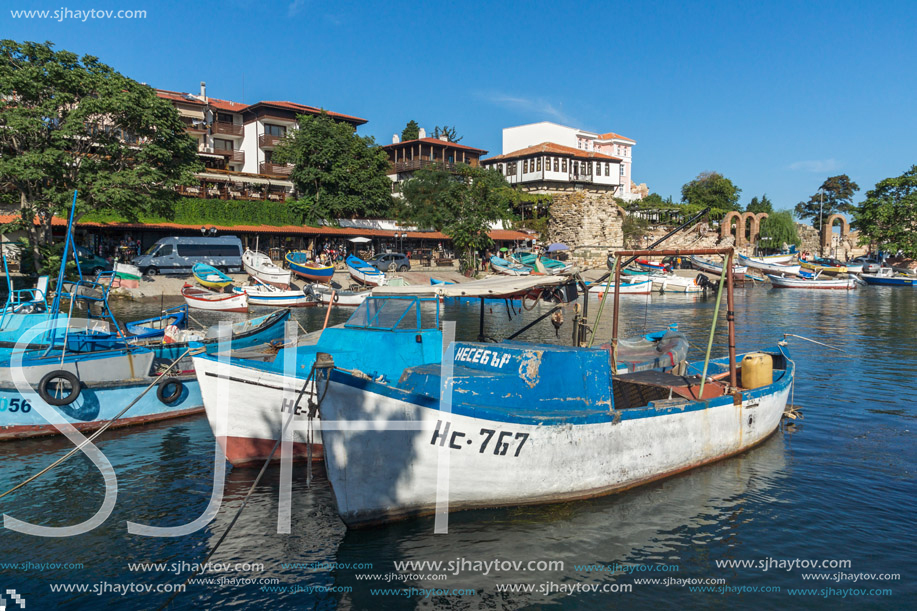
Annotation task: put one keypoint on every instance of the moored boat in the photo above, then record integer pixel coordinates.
(783, 282)
(715, 268)
(259, 266)
(363, 272)
(202, 299)
(326, 295)
(551, 266)
(641, 286)
(829, 267)
(887, 276)
(769, 266)
(269, 295)
(209, 276)
(508, 268)
(310, 270)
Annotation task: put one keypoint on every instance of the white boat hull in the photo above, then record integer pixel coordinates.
(380, 473)
(715, 268)
(627, 288)
(276, 297)
(770, 267)
(259, 266)
(341, 298)
(675, 284)
(780, 282)
(216, 302)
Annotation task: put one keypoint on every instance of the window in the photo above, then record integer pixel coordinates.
(511, 169)
(525, 166)
(222, 145)
(208, 250)
(621, 165)
(165, 251)
(275, 130)
(556, 164)
(223, 117)
(268, 156)
(539, 164)
(564, 165)
(607, 169)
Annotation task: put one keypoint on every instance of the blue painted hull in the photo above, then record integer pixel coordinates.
(96, 405)
(316, 274)
(879, 281)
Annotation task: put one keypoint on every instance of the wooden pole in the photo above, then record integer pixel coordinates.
(730, 322)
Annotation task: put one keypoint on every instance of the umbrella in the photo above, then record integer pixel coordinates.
(557, 246)
(360, 240)
(504, 249)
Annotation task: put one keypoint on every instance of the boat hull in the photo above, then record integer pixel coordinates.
(278, 298)
(301, 266)
(644, 287)
(364, 273)
(215, 302)
(886, 281)
(384, 448)
(780, 282)
(326, 296)
(96, 404)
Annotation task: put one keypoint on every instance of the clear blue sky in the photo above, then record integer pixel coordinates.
(775, 95)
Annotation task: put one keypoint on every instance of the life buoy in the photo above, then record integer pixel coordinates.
(59, 374)
(164, 384)
(337, 297)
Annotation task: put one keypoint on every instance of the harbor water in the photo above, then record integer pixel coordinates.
(836, 488)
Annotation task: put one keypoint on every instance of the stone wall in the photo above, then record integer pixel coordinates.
(586, 219)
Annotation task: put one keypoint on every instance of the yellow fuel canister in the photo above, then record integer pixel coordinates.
(757, 370)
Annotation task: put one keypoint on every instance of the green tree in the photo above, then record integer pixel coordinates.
(760, 205)
(778, 229)
(337, 173)
(69, 122)
(888, 217)
(711, 189)
(461, 205)
(837, 198)
(448, 133)
(411, 131)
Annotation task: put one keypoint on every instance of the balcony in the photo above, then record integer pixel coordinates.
(231, 155)
(276, 169)
(222, 128)
(269, 140)
(409, 165)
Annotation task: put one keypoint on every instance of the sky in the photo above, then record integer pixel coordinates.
(776, 96)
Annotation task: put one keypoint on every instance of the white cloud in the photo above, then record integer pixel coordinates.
(533, 106)
(295, 7)
(816, 165)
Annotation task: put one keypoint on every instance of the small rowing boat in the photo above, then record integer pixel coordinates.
(769, 266)
(364, 273)
(209, 276)
(715, 268)
(325, 294)
(310, 270)
(259, 266)
(508, 268)
(202, 299)
(887, 276)
(263, 294)
(783, 282)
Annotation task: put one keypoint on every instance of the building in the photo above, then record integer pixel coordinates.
(588, 155)
(236, 143)
(410, 155)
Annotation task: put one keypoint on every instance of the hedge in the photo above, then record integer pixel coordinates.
(193, 211)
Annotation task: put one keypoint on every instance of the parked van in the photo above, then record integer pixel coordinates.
(176, 255)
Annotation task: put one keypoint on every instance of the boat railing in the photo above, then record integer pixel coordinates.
(391, 313)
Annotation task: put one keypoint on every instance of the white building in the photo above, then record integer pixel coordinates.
(520, 138)
(552, 168)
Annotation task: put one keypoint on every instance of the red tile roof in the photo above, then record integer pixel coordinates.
(227, 105)
(302, 108)
(614, 136)
(553, 149)
(497, 234)
(434, 141)
(175, 96)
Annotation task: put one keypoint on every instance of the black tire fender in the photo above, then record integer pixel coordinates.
(163, 387)
(59, 374)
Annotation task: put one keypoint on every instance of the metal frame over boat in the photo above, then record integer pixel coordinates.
(259, 266)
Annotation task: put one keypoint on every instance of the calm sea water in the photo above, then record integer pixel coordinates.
(838, 485)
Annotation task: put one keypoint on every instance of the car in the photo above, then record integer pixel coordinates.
(870, 264)
(391, 262)
(90, 264)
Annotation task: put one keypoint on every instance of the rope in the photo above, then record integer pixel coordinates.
(101, 430)
(785, 335)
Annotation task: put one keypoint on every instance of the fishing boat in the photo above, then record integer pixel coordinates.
(829, 267)
(672, 283)
(508, 268)
(363, 272)
(639, 286)
(887, 276)
(769, 266)
(260, 267)
(551, 266)
(524, 423)
(715, 268)
(784, 282)
(263, 294)
(155, 327)
(652, 266)
(202, 299)
(310, 270)
(326, 295)
(209, 276)
(782, 257)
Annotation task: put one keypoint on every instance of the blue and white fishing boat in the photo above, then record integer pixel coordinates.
(310, 270)
(149, 328)
(261, 294)
(769, 266)
(517, 423)
(363, 272)
(209, 276)
(887, 276)
(508, 268)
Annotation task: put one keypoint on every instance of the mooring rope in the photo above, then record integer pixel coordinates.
(103, 428)
(785, 335)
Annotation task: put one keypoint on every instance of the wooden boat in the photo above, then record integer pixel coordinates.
(715, 268)
(637, 287)
(652, 266)
(202, 299)
(527, 424)
(325, 295)
(672, 283)
(259, 266)
(209, 276)
(363, 272)
(887, 276)
(783, 257)
(315, 272)
(769, 266)
(154, 327)
(825, 266)
(784, 282)
(508, 268)
(551, 266)
(263, 294)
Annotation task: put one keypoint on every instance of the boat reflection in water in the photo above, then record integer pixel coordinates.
(669, 522)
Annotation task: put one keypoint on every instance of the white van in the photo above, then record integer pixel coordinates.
(176, 255)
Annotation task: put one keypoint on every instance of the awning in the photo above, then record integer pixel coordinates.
(359, 240)
(492, 287)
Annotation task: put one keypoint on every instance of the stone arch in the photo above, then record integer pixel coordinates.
(726, 227)
(828, 228)
(754, 220)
